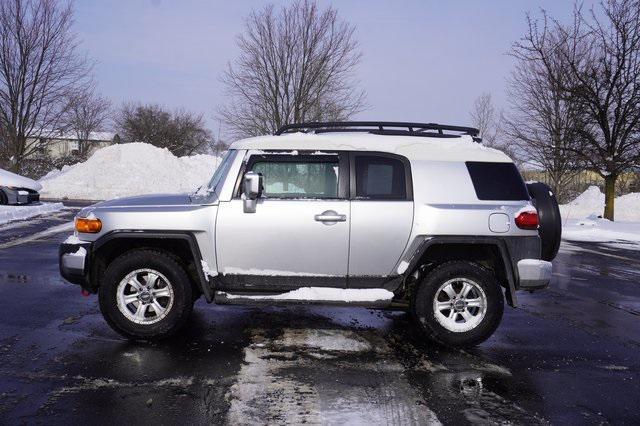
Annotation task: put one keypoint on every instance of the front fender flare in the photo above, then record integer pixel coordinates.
(162, 235)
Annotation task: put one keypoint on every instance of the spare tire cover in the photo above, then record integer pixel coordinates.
(550, 229)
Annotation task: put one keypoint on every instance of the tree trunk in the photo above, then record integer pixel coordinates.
(609, 195)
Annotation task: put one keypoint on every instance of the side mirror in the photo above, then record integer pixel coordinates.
(252, 186)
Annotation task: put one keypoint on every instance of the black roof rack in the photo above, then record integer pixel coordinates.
(382, 128)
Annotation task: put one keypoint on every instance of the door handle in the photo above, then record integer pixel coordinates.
(330, 216)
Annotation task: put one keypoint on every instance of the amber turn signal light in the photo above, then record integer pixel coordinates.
(89, 226)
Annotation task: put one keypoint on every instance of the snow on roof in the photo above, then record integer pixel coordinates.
(461, 148)
(71, 135)
(93, 136)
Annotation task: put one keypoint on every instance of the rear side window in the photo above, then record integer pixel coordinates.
(380, 178)
(497, 181)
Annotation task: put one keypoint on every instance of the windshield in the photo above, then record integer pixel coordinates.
(221, 171)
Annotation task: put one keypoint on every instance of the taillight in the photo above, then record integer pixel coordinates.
(527, 220)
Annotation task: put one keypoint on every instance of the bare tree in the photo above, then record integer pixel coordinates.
(39, 68)
(601, 57)
(181, 132)
(87, 113)
(483, 117)
(543, 121)
(295, 65)
(489, 123)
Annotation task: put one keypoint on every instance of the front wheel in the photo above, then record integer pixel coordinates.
(145, 294)
(458, 304)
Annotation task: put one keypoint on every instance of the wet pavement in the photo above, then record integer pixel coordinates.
(569, 354)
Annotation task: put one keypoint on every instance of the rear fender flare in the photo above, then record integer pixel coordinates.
(421, 244)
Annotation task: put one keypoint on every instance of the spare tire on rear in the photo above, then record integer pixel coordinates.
(549, 217)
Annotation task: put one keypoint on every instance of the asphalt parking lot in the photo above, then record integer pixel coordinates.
(569, 354)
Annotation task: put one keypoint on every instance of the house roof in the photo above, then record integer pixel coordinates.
(93, 136)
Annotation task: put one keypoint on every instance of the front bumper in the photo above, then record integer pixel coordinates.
(73, 259)
(534, 274)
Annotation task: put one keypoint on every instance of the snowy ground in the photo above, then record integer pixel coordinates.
(597, 230)
(581, 221)
(129, 169)
(11, 213)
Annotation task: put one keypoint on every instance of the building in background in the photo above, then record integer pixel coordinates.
(62, 145)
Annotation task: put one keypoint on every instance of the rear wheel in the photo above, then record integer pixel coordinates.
(458, 304)
(145, 294)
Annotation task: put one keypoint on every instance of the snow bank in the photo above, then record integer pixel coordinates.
(591, 203)
(11, 213)
(598, 230)
(129, 169)
(580, 221)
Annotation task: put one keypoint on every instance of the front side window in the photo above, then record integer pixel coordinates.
(380, 178)
(298, 178)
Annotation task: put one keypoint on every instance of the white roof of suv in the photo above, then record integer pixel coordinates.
(459, 148)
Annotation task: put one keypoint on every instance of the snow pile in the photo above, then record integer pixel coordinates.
(129, 169)
(11, 213)
(591, 203)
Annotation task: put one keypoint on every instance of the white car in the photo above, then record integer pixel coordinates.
(16, 189)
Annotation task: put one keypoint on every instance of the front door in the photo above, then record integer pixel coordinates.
(299, 233)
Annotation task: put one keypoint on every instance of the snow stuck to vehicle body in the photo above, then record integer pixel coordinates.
(11, 213)
(324, 294)
(129, 169)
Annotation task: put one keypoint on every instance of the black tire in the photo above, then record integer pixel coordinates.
(3, 198)
(162, 263)
(550, 229)
(425, 316)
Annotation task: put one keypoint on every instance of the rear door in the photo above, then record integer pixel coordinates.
(381, 216)
(299, 234)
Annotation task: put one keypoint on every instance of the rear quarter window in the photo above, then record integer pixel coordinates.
(497, 181)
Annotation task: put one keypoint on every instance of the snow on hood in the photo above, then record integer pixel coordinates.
(11, 179)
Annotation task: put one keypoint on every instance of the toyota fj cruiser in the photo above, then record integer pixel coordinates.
(412, 216)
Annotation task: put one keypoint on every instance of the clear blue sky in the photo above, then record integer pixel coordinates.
(422, 60)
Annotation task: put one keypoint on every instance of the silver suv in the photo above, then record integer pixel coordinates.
(413, 216)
